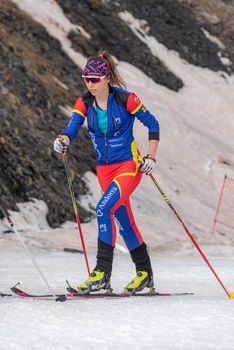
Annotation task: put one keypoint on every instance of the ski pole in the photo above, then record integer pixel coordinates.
(70, 186)
(219, 203)
(230, 295)
(27, 251)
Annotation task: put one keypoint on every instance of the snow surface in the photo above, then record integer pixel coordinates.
(201, 321)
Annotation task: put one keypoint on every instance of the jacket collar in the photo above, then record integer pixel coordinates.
(90, 99)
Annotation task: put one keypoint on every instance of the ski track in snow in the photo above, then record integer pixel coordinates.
(202, 321)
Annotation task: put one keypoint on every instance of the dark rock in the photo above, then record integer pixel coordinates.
(3, 113)
(217, 17)
(109, 32)
(3, 91)
(31, 118)
(175, 26)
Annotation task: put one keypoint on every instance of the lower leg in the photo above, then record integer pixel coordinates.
(100, 277)
(141, 259)
(137, 248)
(127, 226)
(104, 257)
(144, 271)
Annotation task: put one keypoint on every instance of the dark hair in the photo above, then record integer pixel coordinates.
(115, 79)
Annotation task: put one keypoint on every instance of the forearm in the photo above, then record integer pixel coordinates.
(152, 149)
(72, 128)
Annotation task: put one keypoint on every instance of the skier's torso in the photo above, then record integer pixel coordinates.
(118, 145)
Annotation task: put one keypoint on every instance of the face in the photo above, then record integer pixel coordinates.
(98, 89)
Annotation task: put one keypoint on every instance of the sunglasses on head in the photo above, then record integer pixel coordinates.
(93, 79)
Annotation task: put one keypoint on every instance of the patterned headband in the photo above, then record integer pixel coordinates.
(97, 67)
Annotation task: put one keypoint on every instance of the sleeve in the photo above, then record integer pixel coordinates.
(77, 119)
(136, 108)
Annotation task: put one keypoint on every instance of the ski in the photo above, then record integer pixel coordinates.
(68, 296)
(22, 294)
(73, 295)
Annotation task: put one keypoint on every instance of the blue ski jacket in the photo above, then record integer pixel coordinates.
(118, 145)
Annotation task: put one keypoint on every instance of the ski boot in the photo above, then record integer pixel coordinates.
(97, 280)
(141, 281)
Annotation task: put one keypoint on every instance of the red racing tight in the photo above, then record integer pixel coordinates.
(117, 182)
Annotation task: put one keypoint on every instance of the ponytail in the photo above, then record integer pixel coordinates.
(116, 79)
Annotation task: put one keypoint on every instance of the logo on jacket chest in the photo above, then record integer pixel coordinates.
(117, 120)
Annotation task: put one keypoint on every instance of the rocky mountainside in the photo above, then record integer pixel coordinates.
(38, 80)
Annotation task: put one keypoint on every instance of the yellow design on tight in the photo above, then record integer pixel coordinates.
(118, 185)
(134, 152)
(135, 159)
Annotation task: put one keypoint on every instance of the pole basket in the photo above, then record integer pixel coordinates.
(224, 214)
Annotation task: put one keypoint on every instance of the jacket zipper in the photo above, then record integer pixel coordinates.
(105, 136)
(106, 144)
(113, 117)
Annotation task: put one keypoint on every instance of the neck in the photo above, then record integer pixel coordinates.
(102, 98)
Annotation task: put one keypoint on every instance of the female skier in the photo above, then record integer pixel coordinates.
(110, 111)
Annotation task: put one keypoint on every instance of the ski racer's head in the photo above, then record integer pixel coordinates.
(100, 71)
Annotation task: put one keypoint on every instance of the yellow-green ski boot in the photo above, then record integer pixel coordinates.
(141, 281)
(97, 280)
